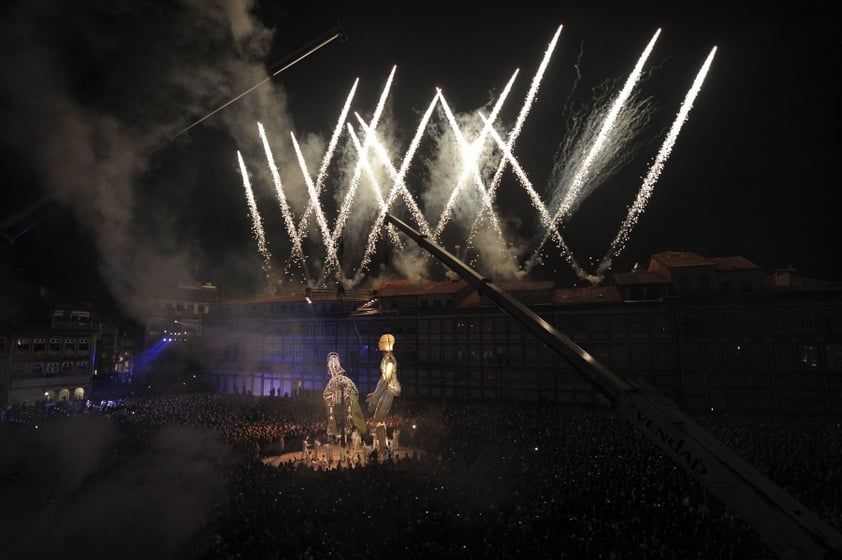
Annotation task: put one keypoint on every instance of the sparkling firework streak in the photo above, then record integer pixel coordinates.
(585, 168)
(330, 256)
(393, 192)
(655, 171)
(566, 253)
(612, 126)
(375, 184)
(399, 185)
(286, 213)
(470, 153)
(313, 204)
(256, 222)
(345, 207)
(531, 95)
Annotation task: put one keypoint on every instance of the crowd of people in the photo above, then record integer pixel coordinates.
(496, 480)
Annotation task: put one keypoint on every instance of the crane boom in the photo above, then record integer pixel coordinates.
(788, 527)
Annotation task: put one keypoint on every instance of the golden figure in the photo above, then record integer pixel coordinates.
(388, 387)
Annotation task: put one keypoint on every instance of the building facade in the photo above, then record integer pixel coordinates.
(54, 362)
(705, 332)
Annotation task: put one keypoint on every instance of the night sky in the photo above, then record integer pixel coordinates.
(94, 97)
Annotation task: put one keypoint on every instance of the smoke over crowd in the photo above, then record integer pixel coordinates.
(99, 94)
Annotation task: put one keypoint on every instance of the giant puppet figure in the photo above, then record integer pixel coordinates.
(341, 397)
(388, 387)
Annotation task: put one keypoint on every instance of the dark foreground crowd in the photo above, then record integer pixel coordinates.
(184, 477)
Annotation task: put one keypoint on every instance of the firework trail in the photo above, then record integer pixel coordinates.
(538, 204)
(531, 95)
(256, 222)
(587, 169)
(619, 242)
(320, 178)
(330, 248)
(396, 188)
(345, 208)
(399, 184)
(286, 213)
(470, 152)
(375, 183)
(598, 152)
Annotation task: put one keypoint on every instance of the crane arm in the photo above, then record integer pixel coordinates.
(788, 527)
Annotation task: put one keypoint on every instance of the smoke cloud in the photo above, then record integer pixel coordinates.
(100, 91)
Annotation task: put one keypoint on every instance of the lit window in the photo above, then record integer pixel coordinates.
(80, 317)
(809, 355)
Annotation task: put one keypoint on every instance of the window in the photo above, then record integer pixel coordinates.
(808, 355)
(638, 325)
(69, 345)
(38, 369)
(782, 354)
(662, 354)
(640, 357)
(55, 345)
(84, 345)
(39, 345)
(80, 317)
(66, 367)
(660, 326)
(599, 325)
(804, 318)
(833, 353)
(692, 357)
(618, 326)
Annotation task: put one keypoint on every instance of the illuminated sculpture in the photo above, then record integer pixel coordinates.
(388, 387)
(342, 399)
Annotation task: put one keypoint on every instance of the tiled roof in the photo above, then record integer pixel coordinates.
(734, 263)
(675, 259)
(640, 277)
